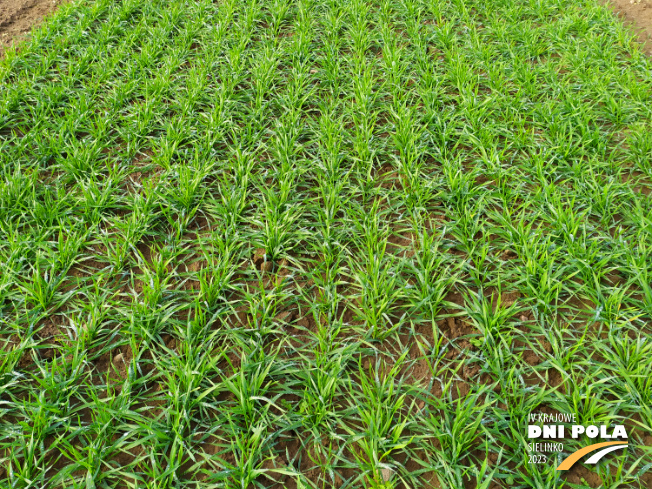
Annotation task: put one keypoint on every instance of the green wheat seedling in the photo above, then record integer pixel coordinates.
(385, 429)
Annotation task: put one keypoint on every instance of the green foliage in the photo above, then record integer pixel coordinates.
(321, 243)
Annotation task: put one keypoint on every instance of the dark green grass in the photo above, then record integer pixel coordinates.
(317, 243)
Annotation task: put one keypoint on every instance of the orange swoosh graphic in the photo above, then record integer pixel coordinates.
(574, 457)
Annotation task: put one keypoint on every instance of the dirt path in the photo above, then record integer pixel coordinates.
(18, 16)
(638, 14)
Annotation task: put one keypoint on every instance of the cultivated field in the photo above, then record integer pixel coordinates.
(323, 243)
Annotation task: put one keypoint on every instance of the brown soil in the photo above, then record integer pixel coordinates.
(637, 14)
(17, 17)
